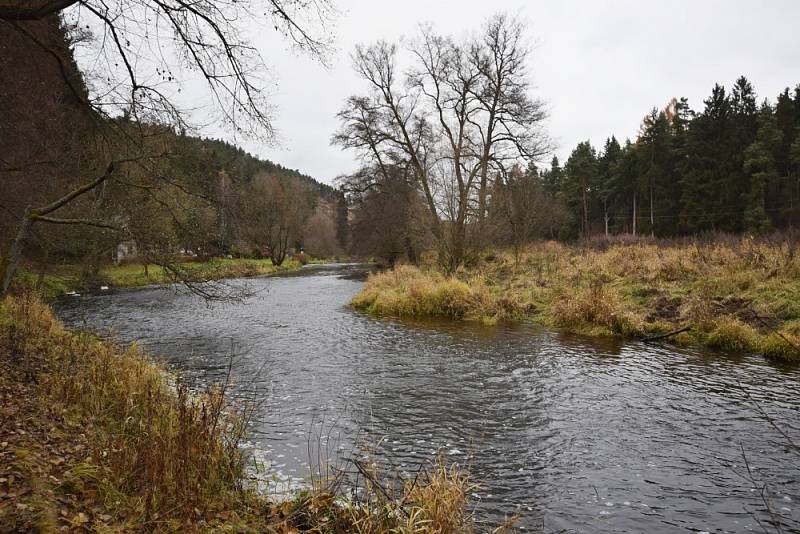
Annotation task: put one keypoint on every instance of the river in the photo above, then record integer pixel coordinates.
(576, 434)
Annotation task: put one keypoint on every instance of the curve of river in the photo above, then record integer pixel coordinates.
(576, 434)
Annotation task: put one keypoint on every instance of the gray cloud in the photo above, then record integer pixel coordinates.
(600, 65)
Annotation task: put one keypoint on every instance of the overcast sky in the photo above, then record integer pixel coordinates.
(600, 65)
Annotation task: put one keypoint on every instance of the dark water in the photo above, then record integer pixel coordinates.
(577, 434)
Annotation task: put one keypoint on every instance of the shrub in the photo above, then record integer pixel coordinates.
(408, 291)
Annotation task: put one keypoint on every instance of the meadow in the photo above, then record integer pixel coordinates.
(736, 294)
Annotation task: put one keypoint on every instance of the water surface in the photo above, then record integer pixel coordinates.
(576, 434)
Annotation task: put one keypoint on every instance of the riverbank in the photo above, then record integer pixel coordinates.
(734, 294)
(55, 281)
(96, 437)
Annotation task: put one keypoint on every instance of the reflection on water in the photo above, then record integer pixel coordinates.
(576, 434)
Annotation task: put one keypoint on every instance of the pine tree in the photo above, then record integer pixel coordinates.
(744, 124)
(708, 166)
(680, 122)
(785, 119)
(658, 170)
(760, 164)
(626, 184)
(580, 174)
(552, 179)
(606, 169)
(794, 181)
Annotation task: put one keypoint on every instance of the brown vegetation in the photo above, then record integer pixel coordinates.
(736, 294)
(94, 437)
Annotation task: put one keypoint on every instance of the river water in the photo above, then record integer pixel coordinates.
(575, 434)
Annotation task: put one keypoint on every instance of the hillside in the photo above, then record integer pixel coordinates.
(170, 191)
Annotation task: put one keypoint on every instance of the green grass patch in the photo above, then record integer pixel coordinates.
(57, 280)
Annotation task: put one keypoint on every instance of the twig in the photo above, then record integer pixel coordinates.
(668, 334)
(762, 487)
(377, 484)
(768, 418)
(774, 330)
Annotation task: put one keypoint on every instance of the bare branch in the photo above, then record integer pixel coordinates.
(32, 10)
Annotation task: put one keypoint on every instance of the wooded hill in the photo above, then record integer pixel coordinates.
(170, 191)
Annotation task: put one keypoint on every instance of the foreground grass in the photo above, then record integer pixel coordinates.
(738, 295)
(94, 437)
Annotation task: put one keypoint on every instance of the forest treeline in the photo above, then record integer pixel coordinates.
(450, 138)
(168, 192)
(734, 166)
(451, 149)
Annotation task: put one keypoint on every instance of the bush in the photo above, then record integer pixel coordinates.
(596, 306)
(408, 291)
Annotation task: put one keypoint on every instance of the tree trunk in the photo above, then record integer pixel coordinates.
(634, 213)
(11, 260)
(482, 194)
(411, 252)
(456, 248)
(585, 213)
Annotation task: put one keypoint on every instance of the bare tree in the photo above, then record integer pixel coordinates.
(388, 214)
(512, 121)
(522, 210)
(461, 114)
(278, 211)
(146, 44)
(320, 237)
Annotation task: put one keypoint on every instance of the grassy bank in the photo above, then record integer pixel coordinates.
(53, 281)
(133, 275)
(95, 437)
(733, 294)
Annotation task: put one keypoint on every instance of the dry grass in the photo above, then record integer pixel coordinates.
(133, 275)
(156, 456)
(734, 293)
(408, 291)
(434, 502)
(94, 437)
